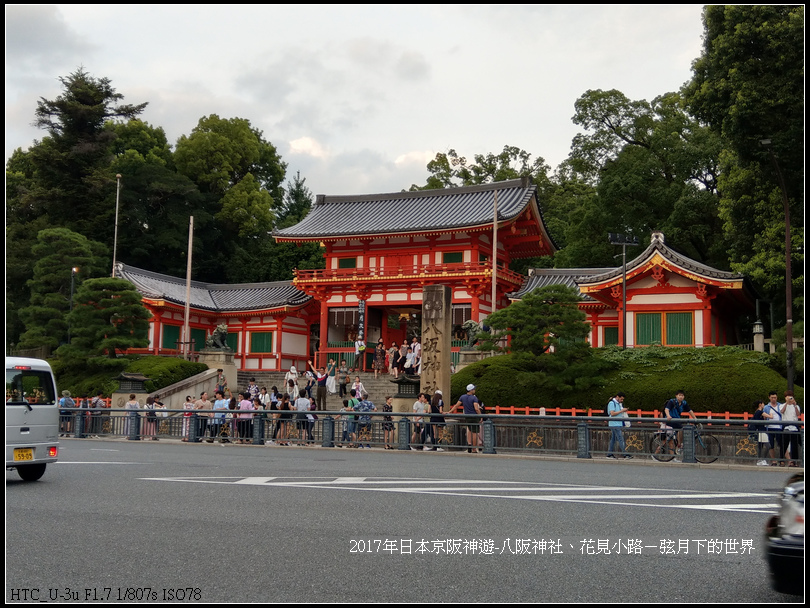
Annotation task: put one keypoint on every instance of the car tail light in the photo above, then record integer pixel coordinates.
(53, 451)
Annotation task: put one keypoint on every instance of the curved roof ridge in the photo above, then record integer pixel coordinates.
(213, 296)
(466, 207)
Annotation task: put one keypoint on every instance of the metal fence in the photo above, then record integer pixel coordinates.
(726, 441)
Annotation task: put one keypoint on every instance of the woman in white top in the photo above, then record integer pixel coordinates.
(358, 387)
(291, 375)
(132, 404)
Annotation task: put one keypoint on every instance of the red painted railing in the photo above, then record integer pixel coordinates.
(639, 413)
(403, 271)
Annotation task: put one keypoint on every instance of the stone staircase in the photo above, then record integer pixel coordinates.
(378, 389)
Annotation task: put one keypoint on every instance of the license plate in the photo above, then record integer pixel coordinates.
(23, 454)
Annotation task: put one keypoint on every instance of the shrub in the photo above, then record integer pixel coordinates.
(714, 379)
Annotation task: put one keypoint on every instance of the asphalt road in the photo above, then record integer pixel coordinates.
(164, 521)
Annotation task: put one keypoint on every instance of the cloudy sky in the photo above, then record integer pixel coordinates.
(356, 98)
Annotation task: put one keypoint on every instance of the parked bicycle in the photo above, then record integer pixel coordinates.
(663, 445)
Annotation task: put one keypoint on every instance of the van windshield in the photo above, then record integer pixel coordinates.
(25, 385)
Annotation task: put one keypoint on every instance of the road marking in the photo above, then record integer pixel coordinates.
(745, 502)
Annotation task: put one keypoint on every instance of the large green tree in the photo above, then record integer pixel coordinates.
(545, 319)
(71, 185)
(57, 252)
(108, 318)
(748, 86)
(449, 170)
(653, 167)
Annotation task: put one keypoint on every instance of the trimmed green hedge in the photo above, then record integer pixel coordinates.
(162, 371)
(714, 379)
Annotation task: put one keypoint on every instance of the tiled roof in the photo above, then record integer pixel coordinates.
(542, 277)
(657, 245)
(424, 210)
(210, 296)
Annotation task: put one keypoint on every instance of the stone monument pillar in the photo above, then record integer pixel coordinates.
(436, 333)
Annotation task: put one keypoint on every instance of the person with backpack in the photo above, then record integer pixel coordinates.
(617, 413)
(677, 408)
(66, 404)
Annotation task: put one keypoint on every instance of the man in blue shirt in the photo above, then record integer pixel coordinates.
(220, 403)
(617, 413)
(472, 406)
(677, 408)
(364, 424)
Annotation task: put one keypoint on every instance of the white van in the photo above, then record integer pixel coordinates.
(32, 417)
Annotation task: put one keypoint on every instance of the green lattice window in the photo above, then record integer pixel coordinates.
(679, 328)
(232, 340)
(452, 257)
(674, 329)
(261, 342)
(648, 328)
(347, 262)
(611, 336)
(198, 336)
(171, 335)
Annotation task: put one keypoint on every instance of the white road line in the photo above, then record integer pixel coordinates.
(544, 492)
(88, 462)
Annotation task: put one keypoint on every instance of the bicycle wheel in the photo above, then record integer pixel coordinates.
(707, 449)
(660, 450)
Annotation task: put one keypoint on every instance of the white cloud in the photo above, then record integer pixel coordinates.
(308, 146)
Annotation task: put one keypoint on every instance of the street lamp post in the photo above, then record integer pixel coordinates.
(624, 240)
(766, 143)
(115, 236)
(73, 272)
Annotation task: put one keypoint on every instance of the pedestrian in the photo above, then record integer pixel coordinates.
(393, 360)
(253, 389)
(188, 406)
(420, 406)
(132, 404)
(776, 437)
(320, 381)
(291, 382)
(343, 378)
(759, 434)
(437, 422)
(364, 420)
(388, 423)
(331, 382)
(222, 383)
(793, 440)
(358, 387)
(97, 405)
(220, 418)
(284, 417)
(66, 407)
(150, 425)
(200, 406)
(470, 406)
(417, 356)
(302, 407)
(617, 413)
(245, 418)
(379, 358)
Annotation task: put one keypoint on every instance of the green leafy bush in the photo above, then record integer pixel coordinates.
(714, 379)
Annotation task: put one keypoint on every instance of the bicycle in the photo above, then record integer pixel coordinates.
(662, 445)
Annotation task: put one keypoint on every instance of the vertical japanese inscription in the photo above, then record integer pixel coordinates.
(436, 331)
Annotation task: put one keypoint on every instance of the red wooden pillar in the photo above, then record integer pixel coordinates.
(279, 345)
(156, 328)
(324, 335)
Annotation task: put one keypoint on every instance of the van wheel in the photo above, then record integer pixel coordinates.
(31, 472)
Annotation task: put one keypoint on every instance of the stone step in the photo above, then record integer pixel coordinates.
(378, 388)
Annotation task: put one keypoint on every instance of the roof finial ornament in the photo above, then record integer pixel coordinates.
(657, 236)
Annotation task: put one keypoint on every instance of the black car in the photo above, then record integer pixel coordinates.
(784, 538)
